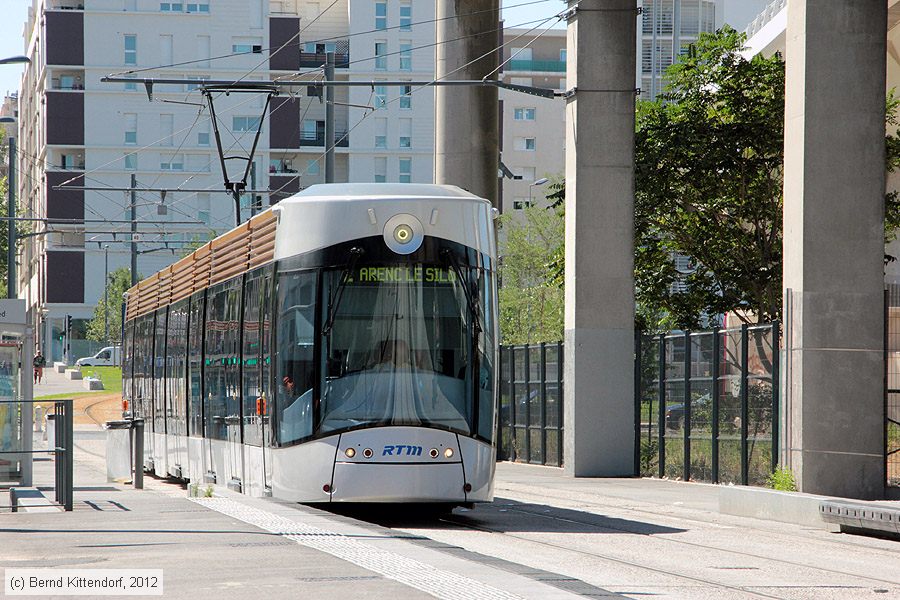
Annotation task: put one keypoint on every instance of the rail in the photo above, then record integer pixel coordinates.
(765, 17)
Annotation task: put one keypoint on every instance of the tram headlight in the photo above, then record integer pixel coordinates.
(403, 233)
(350, 452)
(448, 453)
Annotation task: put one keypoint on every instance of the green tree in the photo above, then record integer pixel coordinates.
(117, 284)
(708, 186)
(531, 304)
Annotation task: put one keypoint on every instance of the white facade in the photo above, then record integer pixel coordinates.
(395, 141)
(678, 24)
(111, 131)
(533, 128)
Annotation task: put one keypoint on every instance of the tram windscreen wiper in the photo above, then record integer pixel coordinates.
(470, 299)
(335, 300)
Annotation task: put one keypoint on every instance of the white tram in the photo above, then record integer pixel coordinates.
(339, 347)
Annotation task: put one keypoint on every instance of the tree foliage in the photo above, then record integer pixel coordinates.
(708, 186)
(531, 304)
(117, 283)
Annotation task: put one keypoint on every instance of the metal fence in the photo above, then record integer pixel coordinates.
(530, 427)
(892, 389)
(706, 404)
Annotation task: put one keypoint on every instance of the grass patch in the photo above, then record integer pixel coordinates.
(72, 396)
(110, 376)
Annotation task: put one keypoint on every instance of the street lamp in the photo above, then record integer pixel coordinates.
(540, 181)
(106, 293)
(15, 60)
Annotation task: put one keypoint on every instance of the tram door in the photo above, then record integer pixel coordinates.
(265, 362)
(254, 374)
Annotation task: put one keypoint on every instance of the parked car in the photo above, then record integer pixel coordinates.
(111, 356)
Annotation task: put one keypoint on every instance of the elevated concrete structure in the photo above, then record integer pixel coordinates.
(599, 319)
(833, 272)
(466, 127)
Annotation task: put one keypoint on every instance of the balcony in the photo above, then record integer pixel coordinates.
(67, 81)
(65, 5)
(313, 54)
(540, 66)
(318, 139)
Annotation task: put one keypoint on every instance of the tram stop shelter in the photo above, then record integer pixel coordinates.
(16, 395)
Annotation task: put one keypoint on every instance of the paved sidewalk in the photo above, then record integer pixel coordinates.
(56, 383)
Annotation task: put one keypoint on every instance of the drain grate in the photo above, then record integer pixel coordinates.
(408, 571)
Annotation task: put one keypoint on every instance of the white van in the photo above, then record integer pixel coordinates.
(111, 356)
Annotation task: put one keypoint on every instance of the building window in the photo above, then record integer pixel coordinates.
(130, 49)
(246, 45)
(203, 207)
(524, 173)
(406, 97)
(406, 133)
(131, 162)
(312, 166)
(310, 130)
(524, 114)
(521, 203)
(405, 170)
(380, 169)
(524, 144)
(381, 15)
(380, 56)
(562, 55)
(130, 128)
(174, 162)
(380, 96)
(203, 138)
(197, 7)
(171, 6)
(244, 123)
(406, 16)
(381, 133)
(130, 86)
(166, 129)
(406, 56)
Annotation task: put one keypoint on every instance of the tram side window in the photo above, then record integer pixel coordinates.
(221, 406)
(159, 372)
(250, 361)
(143, 368)
(195, 349)
(486, 356)
(295, 356)
(266, 357)
(176, 347)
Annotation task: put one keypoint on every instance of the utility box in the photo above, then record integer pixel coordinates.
(118, 451)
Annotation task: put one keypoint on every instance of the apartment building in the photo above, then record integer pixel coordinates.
(9, 109)
(78, 131)
(666, 28)
(532, 128)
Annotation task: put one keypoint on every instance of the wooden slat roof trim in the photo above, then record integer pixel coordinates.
(245, 247)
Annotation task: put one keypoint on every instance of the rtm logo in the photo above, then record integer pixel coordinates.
(399, 450)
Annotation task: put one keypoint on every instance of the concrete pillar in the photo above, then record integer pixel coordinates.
(599, 319)
(466, 151)
(834, 187)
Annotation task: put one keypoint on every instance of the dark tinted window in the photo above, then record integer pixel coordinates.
(160, 408)
(250, 360)
(295, 356)
(221, 405)
(176, 368)
(195, 365)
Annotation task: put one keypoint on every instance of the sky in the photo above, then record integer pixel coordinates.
(14, 13)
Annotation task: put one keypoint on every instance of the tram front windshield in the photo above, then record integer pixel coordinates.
(397, 348)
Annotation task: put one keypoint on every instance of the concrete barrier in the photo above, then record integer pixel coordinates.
(91, 383)
(772, 505)
(60, 367)
(73, 374)
(29, 499)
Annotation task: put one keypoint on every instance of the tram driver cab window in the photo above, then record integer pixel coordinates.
(294, 406)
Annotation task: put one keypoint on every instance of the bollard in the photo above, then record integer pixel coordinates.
(138, 425)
